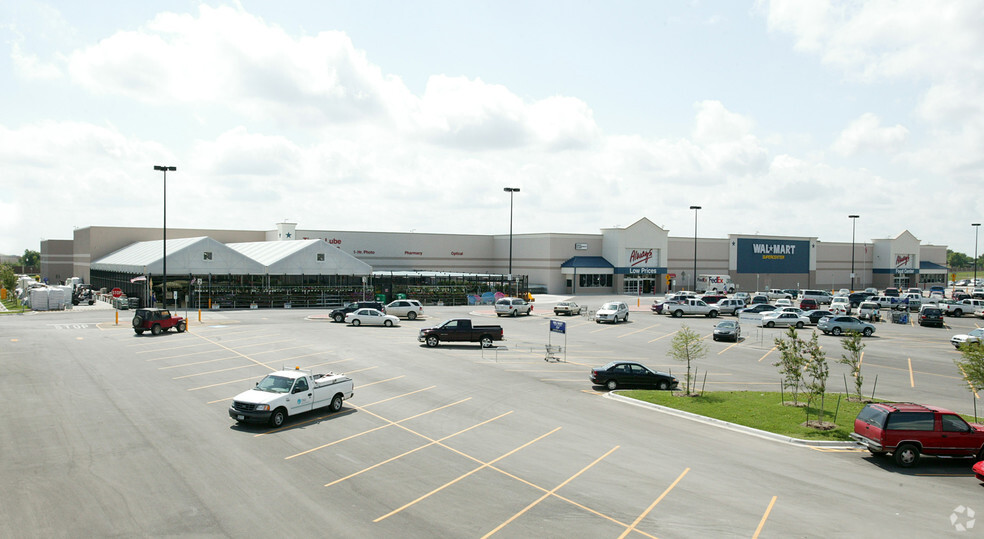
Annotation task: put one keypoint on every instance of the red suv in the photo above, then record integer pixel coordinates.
(908, 430)
(156, 321)
(809, 304)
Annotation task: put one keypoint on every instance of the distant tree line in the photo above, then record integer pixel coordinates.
(955, 260)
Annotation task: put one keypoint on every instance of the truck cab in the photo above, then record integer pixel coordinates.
(282, 394)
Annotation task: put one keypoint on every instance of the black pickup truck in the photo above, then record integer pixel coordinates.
(460, 330)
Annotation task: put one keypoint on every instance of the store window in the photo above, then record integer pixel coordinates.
(589, 280)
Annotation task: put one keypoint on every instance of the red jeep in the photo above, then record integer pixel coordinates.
(907, 430)
(156, 321)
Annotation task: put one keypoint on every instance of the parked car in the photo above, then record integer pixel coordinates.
(405, 308)
(855, 298)
(338, 315)
(909, 430)
(822, 297)
(568, 308)
(612, 312)
(631, 374)
(891, 291)
(808, 304)
(156, 321)
(758, 299)
(843, 292)
(730, 305)
(712, 299)
(759, 308)
(744, 296)
(783, 302)
(371, 317)
(974, 335)
(838, 325)
(793, 293)
(727, 329)
(781, 319)
(840, 305)
(869, 310)
(937, 290)
(512, 307)
(817, 314)
(958, 296)
(930, 315)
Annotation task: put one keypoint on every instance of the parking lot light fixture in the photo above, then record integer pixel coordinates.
(511, 191)
(695, 208)
(164, 169)
(854, 222)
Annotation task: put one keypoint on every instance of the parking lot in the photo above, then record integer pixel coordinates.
(111, 433)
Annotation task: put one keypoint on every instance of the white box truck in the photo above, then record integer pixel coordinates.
(715, 283)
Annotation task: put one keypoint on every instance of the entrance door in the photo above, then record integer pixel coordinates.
(639, 285)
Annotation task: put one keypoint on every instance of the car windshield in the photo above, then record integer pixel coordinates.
(275, 384)
(977, 332)
(726, 325)
(610, 307)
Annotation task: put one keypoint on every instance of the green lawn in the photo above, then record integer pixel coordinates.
(11, 305)
(761, 410)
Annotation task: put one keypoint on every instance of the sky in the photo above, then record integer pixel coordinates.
(776, 117)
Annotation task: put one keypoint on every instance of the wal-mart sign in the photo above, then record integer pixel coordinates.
(762, 255)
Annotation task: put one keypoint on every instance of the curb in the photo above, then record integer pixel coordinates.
(734, 426)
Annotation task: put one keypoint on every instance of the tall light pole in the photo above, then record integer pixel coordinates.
(511, 191)
(854, 222)
(695, 208)
(164, 169)
(977, 227)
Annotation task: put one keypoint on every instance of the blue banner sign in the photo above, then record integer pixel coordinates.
(557, 326)
(764, 255)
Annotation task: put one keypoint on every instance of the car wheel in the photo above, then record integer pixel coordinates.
(156, 329)
(138, 331)
(770, 324)
(336, 403)
(677, 313)
(388, 323)
(339, 318)
(612, 385)
(712, 314)
(663, 385)
(278, 417)
(356, 322)
(836, 332)
(799, 325)
(867, 332)
(714, 337)
(411, 315)
(513, 314)
(486, 342)
(432, 341)
(626, 317)
(957, 312)
(906, 455)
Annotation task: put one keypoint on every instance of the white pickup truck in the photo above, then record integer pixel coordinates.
(962, 307)
(285, 393)
(691, 307)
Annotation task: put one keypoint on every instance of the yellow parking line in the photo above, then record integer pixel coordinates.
(976, 396)
(380, 381)
(652, 505)
(459, 478)
(767, 353)
(432, 442)
(373, 429)
(912, 381)
(398, 396)
(637, 331)
(764, 518)
(732, 345)
(197, 363)
(549, 493)
(664, 336)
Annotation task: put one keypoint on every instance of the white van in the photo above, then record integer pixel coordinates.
(715, 283)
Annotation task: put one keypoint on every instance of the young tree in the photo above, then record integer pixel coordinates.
(972, 364)
(687, 346)
(854, 348)
(791, 361)
(31, 258)
(8, 279)
(819, 371)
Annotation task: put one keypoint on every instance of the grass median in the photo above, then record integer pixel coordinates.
(762, 410)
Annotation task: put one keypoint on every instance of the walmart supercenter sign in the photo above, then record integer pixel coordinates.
(773, 256)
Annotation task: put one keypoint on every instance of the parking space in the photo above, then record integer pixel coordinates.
(451, 441)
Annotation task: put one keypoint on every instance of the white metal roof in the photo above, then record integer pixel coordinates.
(188, 256)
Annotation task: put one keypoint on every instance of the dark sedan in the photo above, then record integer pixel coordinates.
(760, 308)
(817, 314)
(631, 374)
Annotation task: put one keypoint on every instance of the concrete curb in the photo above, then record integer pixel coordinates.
(734, 427)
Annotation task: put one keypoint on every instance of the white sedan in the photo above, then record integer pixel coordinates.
(777, 318)
(371, 317)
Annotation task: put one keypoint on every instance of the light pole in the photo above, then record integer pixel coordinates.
(854, 222)
(977, 227)
(511, 191)
(695, 208)
(164, 169)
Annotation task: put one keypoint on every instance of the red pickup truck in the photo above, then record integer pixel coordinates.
(908, 430)
(460, 330)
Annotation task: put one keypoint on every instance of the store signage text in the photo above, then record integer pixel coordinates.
(773, 251)
(640, 257)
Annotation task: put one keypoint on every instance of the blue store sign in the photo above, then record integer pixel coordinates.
(760, 255)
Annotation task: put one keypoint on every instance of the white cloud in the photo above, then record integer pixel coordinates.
(867, 134)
